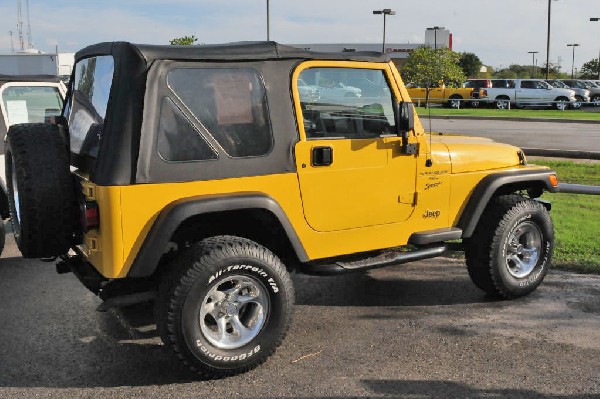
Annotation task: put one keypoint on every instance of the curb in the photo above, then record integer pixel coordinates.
(502, 118)
(573, 154)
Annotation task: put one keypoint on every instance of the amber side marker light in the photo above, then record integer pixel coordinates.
(553, 180)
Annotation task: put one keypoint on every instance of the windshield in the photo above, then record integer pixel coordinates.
(30, 104)
(558, 84)
(577, 84)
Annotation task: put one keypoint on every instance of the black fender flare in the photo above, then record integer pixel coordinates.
(489, 185)
(171, 217)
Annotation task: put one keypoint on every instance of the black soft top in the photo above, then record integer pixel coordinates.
(122, 131)
(243, 51)
(28, 78)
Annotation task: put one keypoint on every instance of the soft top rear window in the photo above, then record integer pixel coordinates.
(87, 105)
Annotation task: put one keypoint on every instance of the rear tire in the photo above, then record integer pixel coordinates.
(454, 102)
(510, 251)
(40, 190)
(225, 306)
(502, 103)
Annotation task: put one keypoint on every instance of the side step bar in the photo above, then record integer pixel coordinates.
(383, 260)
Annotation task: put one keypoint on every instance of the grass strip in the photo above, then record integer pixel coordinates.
(578, 114)
(576, 217)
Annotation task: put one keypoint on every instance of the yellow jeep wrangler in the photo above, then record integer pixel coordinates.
(200, 176)
(448, 96)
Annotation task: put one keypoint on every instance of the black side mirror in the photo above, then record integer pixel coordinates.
(405, 122)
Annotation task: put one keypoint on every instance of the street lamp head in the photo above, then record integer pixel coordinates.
(436, 28)
(385, 11)
(573, 45)
(594, 19)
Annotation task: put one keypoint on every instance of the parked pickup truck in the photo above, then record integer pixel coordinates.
(450, 97)
(529, 93)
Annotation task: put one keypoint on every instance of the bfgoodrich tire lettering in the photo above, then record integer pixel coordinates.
(40, 190)
(510, 251)
(225, 306)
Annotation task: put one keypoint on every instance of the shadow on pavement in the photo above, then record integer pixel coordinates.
(384, 288)
(449, 389)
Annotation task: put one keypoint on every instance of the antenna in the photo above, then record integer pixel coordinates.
(12, 45)
(29, 37)
(20, 25)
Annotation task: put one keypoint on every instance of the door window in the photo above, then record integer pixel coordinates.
(345, 103)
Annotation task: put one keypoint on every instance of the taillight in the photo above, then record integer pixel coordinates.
(91, 215)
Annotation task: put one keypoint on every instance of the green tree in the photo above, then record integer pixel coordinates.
(591, 69)
(184, 40)
(470, 64)
(427, 67)
(86, 78)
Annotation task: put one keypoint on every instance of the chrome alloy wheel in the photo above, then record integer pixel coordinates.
(234, 311)
(502, 104)
(523, 249)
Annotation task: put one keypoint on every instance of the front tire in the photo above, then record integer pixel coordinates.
(225, 306)
(510, 251)
(561, 103)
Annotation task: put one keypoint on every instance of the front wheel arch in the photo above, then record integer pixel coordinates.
(500, 184)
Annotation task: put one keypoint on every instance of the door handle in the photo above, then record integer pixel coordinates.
(322, 156)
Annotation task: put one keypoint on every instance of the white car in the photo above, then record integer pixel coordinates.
(308, 93)
(25, 99)
(339, 90)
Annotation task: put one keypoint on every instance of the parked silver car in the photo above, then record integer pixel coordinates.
(581, 95)
(594, 91)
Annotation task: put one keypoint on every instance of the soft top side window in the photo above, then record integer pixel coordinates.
(230, 104)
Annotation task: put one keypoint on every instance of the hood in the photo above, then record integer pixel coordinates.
(471, 154)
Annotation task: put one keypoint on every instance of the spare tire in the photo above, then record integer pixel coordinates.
(41, 192)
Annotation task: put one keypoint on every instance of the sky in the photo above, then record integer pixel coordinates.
(499, 32)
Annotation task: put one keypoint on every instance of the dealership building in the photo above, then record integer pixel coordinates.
(398, 52)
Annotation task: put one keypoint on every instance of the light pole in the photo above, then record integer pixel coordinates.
(573, 65)
(268, 35)
(385, 12)
(548, 41)
(435, 29)
(596, 20)
(533, 53)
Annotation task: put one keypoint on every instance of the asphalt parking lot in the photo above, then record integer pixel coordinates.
(418, 330)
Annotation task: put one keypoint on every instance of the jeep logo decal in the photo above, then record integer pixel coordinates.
(431, 214)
